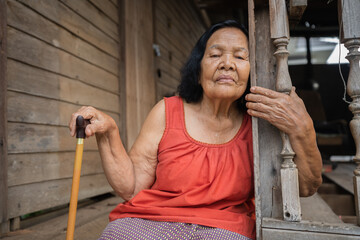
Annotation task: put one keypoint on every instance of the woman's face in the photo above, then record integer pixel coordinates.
(225, 65)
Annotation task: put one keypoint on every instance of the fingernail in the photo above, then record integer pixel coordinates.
(252, 89)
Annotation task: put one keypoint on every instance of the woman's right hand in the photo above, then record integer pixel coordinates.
(100, 122)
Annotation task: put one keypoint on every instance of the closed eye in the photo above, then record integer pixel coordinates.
(215, 56)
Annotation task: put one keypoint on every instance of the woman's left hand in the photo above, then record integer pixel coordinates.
(287, 112)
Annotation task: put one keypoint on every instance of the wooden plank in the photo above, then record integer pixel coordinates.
(29, 138)
(108, 8)
(23, 107)
(349, 12)
(309, 226)
(49, 194)
(37, 53)
(4, 224)
(140, 83)
(65, 17)
(255, 133)
(97, 18)
(115, 2)
(27, 20)
(40, 167)
(342, 175)
(163, 90)
(268, 142)
(270, 234)
(122, 73)
(341, 204)
(55, 228)
(314, 208)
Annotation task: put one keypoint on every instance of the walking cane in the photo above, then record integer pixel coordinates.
(81, 124)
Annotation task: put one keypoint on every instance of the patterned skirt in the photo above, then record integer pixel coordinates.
(137, 228)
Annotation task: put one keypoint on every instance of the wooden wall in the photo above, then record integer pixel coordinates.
(62, 54)
(177, 27)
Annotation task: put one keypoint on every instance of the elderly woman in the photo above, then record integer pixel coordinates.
(189, 174)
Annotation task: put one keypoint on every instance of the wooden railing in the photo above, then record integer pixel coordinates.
(349, 11)
(279, 29)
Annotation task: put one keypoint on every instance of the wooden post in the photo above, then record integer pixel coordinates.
(349, 12)
(139, 65)
(4, 223)
(279, 28)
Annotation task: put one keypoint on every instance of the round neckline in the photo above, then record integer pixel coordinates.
(245, 119)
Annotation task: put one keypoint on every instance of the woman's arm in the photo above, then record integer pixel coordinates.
(127, 173)
(288, 113)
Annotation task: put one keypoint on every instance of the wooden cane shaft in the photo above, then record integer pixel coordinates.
(75, 189)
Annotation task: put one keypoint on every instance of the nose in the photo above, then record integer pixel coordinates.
(227, 62)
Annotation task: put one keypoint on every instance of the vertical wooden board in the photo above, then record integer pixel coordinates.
(52, 193)
(140, 86)
(28, 138)
(350, 18)
(27, 20)
(145, 58)
(108, 8)
(269, 143)
(3, 120)
(97, 18)
(65, 17)
(122, 73)
(35, 52)
(40, 167)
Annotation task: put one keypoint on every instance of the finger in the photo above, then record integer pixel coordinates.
(260, 107)
(85, 112)
(265, 92)
(258, 98)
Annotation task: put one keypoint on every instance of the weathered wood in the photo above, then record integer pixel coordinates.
(30, 138)
(279, 28)
(341, 204)
(39, 167)
(140, 83)
(266, 163)
(270, 234)
(278, 19)
(52, 193)
(65, 17)
(122, 73)
(314, 208)
(4, 224)
(55, 228)
(255, 134)
(107, 8)
(35, 52)
(27, 20)
(93, 15)
(296, 10)
(349, 12)
(341, 176)
(15, 224)
(23, 107)
(311, 227)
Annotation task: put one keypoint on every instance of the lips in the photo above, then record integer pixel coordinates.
(225, 79)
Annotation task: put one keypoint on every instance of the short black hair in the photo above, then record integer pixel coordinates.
(189, 88)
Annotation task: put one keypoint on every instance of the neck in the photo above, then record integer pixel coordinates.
(218, 108)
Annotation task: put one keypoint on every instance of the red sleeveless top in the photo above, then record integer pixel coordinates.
(196, 182)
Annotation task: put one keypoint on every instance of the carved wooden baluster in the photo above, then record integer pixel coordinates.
(289, 173)
(349, 12)
(354, 92)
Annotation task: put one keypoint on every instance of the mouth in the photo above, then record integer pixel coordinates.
(225, 79)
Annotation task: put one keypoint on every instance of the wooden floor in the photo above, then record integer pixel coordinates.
(90, 222)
